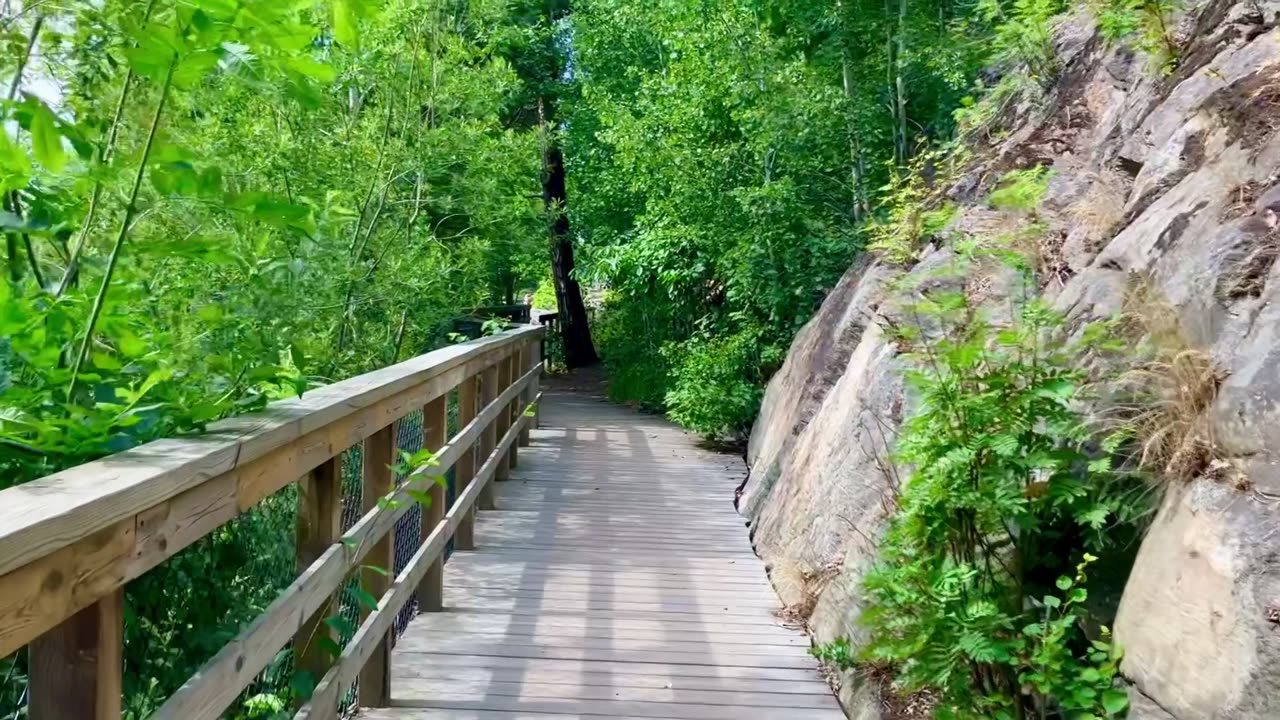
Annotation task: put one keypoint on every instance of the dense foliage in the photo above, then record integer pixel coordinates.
(730, 157)
(212, 203)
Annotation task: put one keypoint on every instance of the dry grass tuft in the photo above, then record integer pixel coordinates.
(812, 584)
(1100, 211)
(896, 704)
(1051, 263)
(1163, 398)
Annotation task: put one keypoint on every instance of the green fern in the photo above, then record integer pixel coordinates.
(1003, 469)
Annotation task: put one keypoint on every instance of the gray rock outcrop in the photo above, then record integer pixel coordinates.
(1172, 179)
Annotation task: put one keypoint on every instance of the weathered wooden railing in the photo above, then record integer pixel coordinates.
(70, 542)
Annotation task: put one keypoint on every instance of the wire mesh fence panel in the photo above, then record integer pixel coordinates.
(408, 533)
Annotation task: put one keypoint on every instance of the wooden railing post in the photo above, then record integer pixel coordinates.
(465, 469)
(435, 431)
(76, 668)
(488, 438)
(319, 526)
(528, 362)
(376, 478)
(503, 423)
(539, 361)
(516, 370)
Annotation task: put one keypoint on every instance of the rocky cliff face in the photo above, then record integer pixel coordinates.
(1174, 179)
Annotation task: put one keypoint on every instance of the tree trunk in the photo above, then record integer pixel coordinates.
(579, 351)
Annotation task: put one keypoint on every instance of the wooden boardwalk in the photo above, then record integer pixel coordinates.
(614, 580)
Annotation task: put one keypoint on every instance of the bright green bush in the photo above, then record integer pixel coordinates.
(729, 160)
(716, 383)
(981, 590)
(1021, 190)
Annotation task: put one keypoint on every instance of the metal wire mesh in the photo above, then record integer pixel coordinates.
(407, 534)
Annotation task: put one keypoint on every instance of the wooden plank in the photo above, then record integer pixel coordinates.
(587, 675)
(612, 667)
(590, 627)
(435, 424)
(464, 471)
(690, 643)
(357, 651)
(615, 708)
(76, 669)
(488, 437)
(319, 527)
(504, 418)
(424, 691)
(411, 713)
(376, 483)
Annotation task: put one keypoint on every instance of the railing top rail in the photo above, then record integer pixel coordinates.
(46, 515)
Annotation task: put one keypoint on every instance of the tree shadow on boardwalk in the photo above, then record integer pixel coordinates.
(614, 580)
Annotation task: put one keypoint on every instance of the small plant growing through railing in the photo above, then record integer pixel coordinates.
(415, 468)
(494, 326)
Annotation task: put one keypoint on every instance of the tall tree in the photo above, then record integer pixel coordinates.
(543, 57)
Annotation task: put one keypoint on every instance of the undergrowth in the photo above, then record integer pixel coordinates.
(1146, 25)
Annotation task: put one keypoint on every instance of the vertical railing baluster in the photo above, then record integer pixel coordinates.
(376, 478)
(319, 526)
(515, 372)
(465, 469)
(528, 362)
(489, 438)
(76, 668)
(504, 416)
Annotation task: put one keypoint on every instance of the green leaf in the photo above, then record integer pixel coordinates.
(305, 65)
(15, 166)
(1052, 602)
(341, 625)
(46, 141)
(1115, 701)
(1064, 583)
(329, 646)
(303, 685)
(364, 599)
(345, 24)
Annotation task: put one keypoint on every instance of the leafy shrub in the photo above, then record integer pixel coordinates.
(981, 588)
(1147, 24)
(716, 383)
(1023, 33)
(629, 337)
(913, 211)
(544, 297)
(1021, 190)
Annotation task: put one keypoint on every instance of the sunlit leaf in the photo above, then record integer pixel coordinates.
(46, 141)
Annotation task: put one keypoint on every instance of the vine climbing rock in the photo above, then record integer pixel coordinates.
(1165, 187)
